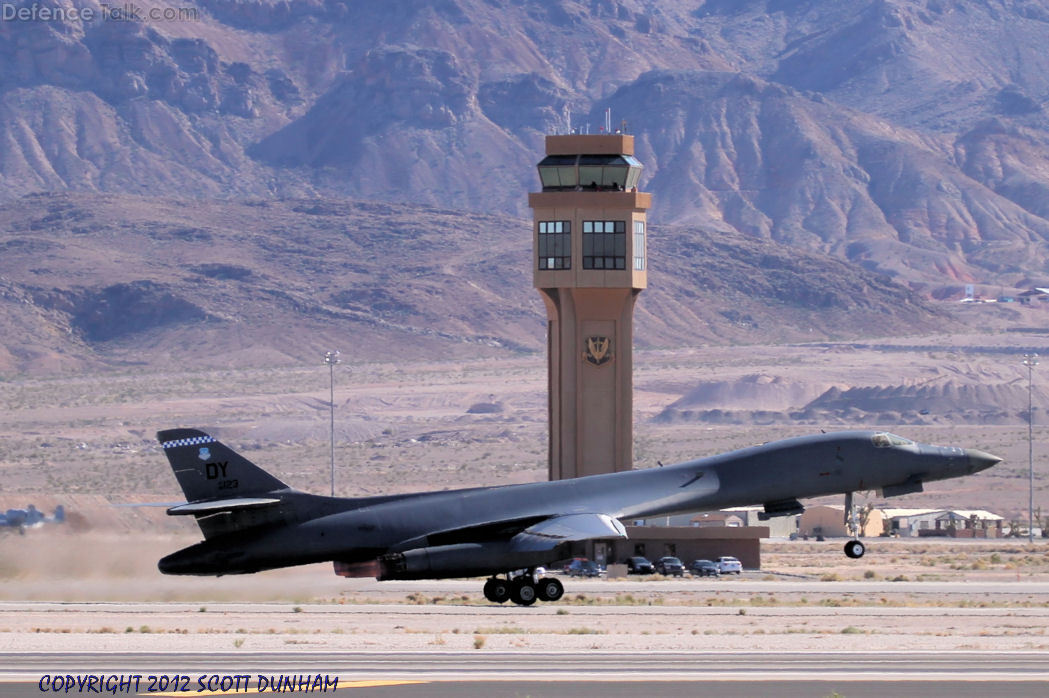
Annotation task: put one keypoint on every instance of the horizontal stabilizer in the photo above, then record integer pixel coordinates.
(220, 505)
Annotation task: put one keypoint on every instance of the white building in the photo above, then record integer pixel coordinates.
(956, 523)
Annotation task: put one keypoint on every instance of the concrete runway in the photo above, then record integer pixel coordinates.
(749, 582)
(559, 674)
(531, 672)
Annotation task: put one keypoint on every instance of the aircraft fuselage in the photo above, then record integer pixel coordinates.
(459, 532)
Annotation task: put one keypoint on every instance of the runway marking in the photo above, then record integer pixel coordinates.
(342, 684)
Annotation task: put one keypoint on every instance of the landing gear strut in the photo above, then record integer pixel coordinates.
(854, 549)
(523, 589)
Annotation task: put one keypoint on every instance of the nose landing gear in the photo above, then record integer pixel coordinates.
(854, 549)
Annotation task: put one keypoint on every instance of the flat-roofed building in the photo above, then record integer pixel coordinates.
(954, 523)
(828, 520)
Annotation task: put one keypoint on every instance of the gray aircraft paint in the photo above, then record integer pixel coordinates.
(252, 521)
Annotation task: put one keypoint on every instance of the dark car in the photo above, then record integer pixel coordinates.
(704, 568)
(670, 566)
(639, 565)
(581, 567)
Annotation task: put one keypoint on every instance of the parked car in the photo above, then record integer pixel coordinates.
(729, 565)
(703, 568)
(639, 565)
(582, 567)
(670, 566)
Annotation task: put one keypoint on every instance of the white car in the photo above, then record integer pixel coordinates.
(729, 565)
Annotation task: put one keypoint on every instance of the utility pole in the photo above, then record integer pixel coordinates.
(331, 358)
(1030, 361)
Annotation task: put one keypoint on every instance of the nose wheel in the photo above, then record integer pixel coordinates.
(854, 549)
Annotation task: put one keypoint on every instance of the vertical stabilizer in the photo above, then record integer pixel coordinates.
(207, 469)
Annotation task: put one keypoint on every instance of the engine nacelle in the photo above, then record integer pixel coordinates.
(460, 560)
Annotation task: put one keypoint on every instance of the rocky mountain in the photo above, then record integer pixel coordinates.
(90, 279)
(908, 137)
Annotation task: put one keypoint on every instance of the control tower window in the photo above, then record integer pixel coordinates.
(558, 172)
(555, 245)
(603, 172)
(604, 244)
(639, 245)
(589, 172)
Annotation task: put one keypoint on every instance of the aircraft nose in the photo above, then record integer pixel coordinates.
(981, 460)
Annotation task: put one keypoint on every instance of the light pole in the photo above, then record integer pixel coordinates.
(331, 358)
(1030, 361)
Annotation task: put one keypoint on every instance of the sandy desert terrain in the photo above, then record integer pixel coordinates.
(930, 595)
(87, 442)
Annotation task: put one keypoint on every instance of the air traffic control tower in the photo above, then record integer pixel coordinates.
(590, 265)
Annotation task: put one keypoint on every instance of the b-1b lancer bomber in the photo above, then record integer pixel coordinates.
(252, 521)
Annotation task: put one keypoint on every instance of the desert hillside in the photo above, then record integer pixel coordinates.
(907, 136)
(117, 280)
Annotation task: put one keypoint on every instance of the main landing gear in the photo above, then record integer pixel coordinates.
(523, 589)
(854, 549)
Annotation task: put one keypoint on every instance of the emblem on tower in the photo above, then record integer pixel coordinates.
(598, 350)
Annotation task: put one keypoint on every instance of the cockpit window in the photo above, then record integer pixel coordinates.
(884, 439)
